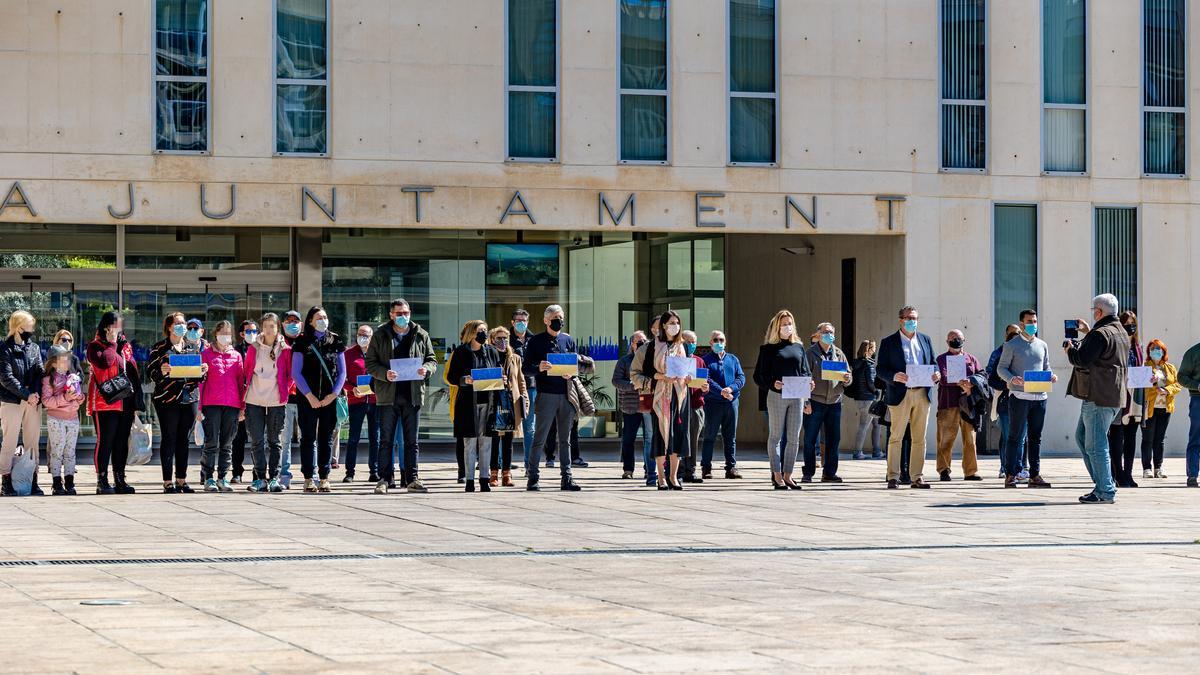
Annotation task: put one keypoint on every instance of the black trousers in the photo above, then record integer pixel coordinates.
(112, 441)
(1152, 439)
(408, 416)
(552, 441)
(316, 429)
(460, 454)
(175, 422)
(239, 450)
(502, 451)
(1122, 445)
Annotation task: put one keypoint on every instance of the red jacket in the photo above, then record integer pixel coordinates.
(107, 363)
(356, 364)
(283, 371)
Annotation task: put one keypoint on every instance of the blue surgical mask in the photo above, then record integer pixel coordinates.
(827, 338)
(251, 335)
(1031, 329)
(291, 329)
(718, 347)
(321, 325)
(1156, 354)
(179, 329)
(910, 325)
(521, 326)
(193, 334)
(690, 347)
(401, 321)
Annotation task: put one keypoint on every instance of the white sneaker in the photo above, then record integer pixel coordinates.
(1158, 473)
(1147, 473)
(1023, 477)
(381, 488)
(1002, 474)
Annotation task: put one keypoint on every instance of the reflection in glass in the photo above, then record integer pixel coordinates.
(181, 38)
(752, 130)
(181, 118)
(301, 118)
(643, 128)
(531, 124)
(532, 43)
(300, 51)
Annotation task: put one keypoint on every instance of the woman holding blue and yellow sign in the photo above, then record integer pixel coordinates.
(176, 370)
(475, 367)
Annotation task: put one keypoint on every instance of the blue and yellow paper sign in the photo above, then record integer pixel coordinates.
(563, 364)
(487, 379)
(1038, 381)
(699, 378)
(362, 386)
(184, 365)
(834, 371)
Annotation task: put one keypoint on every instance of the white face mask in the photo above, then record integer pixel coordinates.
(225, 340)
(786, 331)
(363, 341)
(672, 329)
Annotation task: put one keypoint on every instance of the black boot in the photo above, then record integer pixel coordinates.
(568, 484)
(122, 487)
(69, 485)
(6, 486)
(102, 486)
(34, 490)
(57, 488)
(485, 486)
(470, 485)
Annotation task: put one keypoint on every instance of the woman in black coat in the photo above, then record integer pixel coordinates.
(472, 409)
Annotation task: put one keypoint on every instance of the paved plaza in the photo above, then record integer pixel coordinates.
(728, 576)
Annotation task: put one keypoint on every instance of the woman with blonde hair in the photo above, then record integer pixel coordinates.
(473, 408)
(518, 400)
(782, 355)
(20, 393)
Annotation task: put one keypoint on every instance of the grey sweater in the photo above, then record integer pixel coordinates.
(1020, 355)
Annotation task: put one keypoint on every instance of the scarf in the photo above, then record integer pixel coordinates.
(664, 388)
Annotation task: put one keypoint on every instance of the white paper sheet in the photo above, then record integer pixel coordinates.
(1139, 378)
(920, 376)
(797, 388)
(406, 369)
(681, 366)
(956, 368)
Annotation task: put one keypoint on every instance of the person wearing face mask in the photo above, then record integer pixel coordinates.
(783, 354)
(111, 355)
(20, 394)
(1000, 396)
(1160, 405)
(64, 339)
(362, 408)
(863, 391)
(1026, 410)
(174, 400)
(725, 382)
(950, 422)
(825, 407)
(399, 401)
(62, 394)
(670, 403)
(633, 419)
(553, 406)
(293, 326)
(1189, 377)
(520, 341)
(268, 378)
(907, 407)
(473, 409)
(1100, 360)
(247, 334)
(222, 397)
(1122, 433)
(319, 370)
(696, 423)
(517, 402)
(643, 385)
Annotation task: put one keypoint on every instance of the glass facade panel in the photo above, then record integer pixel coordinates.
(644, 44)
(206, 248)
(181, 48)
(752, 46)
(643, 128)
(1066, 139)
(1015, 264)
(181, 117)
(964, 117)
(531, 124)
(181, 38)
(300, 50)
(302, 119)
(1164, 49)
(964, 136)
(1064, 85)
(1117, 254)
(1165, 143)
(752, 130)
(532, 43)
(46, 246)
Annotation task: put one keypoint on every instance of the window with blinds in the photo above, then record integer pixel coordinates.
(182, 121)
(1117, 254)
(1064, 86)
(644, 81)
(1014, 264)
(1164, 84)
(963, 93)
(532, 80)
(753, 82)
(302, 77)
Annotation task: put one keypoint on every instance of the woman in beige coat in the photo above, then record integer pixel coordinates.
(518, 398)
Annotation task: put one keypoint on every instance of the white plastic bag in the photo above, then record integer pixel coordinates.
(23, 468)
(198, 433)
(141, 439)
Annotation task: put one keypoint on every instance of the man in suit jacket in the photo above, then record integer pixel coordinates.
(908, 407)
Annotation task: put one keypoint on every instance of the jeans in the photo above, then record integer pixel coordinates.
(290, 413)
(358, 413)
(528, 425)
(1025, 419)
(1193, 446)
(1091, 435)
(827, 417)
(867, 424)
(722, 418)
(264, 430)
(1153, 436)
(502, 448)
(555, 411)
(175, 422)
(404, 414)
(630, 425)
(316, 438)
(220, 426)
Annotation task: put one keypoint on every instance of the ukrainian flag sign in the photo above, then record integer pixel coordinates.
(834, 371)
(1038, 381)
(487, 379)
(184, 365)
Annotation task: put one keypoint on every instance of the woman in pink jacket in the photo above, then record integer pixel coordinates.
(62, 394)
(222, 395)
(268, 377)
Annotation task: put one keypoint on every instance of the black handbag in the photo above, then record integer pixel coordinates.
(878, 407)
(503, 419)
(116, 388)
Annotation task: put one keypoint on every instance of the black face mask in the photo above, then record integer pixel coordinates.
(955, 344)
(26, 336)
(638, 344)
(1130, 328)
(556, 325)
(481, 337)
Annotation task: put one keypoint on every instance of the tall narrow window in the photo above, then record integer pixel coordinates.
(302, 77)
(1164, 99)
(753, 82)
(533, 80)
(1064, 86)
(644, 79)
(1015, 263)
(964, 105)
(181, 76)
(1117, 254)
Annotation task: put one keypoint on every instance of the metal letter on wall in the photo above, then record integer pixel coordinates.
(218, 216)
(630, 206)
(810, 218)
(416, 191)
(701, 209)
(122, 216)
(330, 212)
(22, 200)
(524, 211)
(891, 200)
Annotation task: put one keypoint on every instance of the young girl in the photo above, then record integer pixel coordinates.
(221, 401)
(62, 394)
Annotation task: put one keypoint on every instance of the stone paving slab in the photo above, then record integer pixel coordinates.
(729, 576)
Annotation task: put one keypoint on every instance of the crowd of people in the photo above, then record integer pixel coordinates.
(228, 388)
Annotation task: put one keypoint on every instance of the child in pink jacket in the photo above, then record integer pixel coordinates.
(62, 394)
(222, 400)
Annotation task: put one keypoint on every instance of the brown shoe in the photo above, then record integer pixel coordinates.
(1038, 482)
(920, 484)
(892, 484)
(495, 478)
(506, 478)
(1010, 481)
